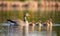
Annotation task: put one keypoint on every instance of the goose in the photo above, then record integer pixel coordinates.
(47, 25)
(23, 24)
(32, 23)
(39, 25)
(50, 24)
(31, 26)
(20, 22)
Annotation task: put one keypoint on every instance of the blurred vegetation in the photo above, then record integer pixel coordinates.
(17, 0)
(28, 0)
(22, 0)
(36, 16)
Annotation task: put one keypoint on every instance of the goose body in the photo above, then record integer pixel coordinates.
(11, 22)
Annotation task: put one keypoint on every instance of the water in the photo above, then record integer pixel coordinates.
(11, 31)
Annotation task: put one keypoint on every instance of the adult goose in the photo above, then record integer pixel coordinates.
(19, 22)
(23, 22)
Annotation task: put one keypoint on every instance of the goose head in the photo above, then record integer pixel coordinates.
(25, 15)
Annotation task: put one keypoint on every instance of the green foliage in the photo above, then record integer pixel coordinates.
(36, 16)
(22, 0)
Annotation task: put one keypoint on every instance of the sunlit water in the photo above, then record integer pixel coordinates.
(11, 31)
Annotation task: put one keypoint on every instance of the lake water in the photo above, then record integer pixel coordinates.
(11, 31)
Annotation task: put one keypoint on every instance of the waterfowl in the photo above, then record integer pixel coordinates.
(38, 23)
(46, 24)
(23, 22)
(50, 24)
(31, 26)
(32, 23)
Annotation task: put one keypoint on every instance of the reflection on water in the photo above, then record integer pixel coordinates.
(22, 31)
(31, 28)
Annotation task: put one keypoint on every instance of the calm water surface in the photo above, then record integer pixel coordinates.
(11, 31)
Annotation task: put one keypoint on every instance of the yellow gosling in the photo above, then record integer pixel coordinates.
(31, 26)
(39, 25)
(50, 24)
(47, 25)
